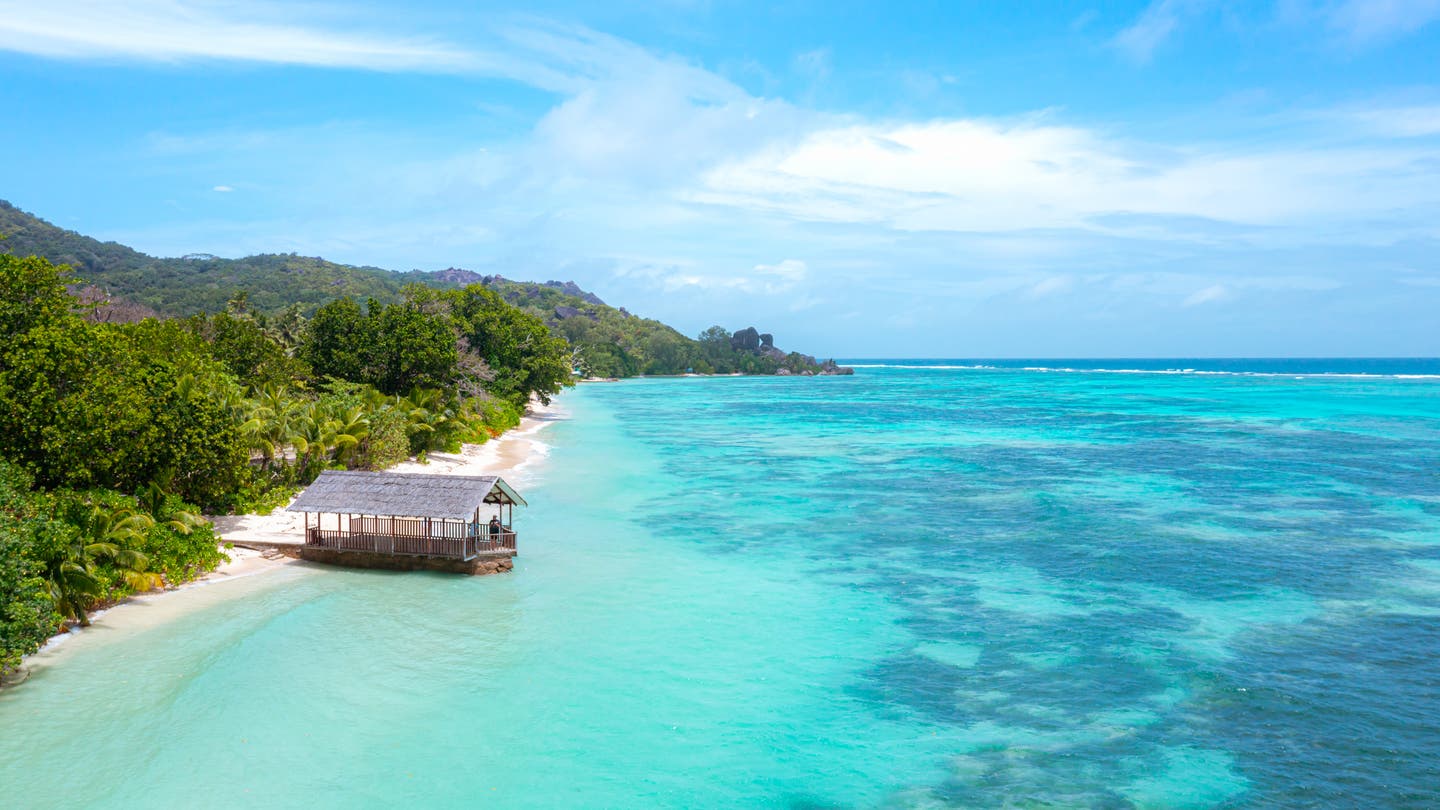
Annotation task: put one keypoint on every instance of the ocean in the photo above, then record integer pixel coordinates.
(967, 584)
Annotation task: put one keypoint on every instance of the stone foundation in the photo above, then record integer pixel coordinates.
(489, 563)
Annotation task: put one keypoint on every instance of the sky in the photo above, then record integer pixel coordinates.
(1181, 178)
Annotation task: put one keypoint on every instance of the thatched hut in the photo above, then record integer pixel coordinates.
(395, 520)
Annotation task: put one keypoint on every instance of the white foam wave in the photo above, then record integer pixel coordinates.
(1301, 375)
(909, 365)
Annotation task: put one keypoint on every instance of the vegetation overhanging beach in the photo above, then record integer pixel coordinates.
(516, 455)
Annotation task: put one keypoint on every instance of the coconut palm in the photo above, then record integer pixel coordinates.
(157, 504)
(96, 534)
(433, 420)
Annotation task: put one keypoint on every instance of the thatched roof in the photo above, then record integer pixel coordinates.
(455, 497)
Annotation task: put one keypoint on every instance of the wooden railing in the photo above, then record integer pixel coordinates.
(369, 534)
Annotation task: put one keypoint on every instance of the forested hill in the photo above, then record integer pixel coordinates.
(200, 282)
(606, 341)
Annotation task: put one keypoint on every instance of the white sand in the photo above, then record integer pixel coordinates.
(515, 455)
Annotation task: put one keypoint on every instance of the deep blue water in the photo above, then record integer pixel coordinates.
(918, 586)
(1382, 366)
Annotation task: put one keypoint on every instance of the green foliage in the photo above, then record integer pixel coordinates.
(336, 342)
(179, 544)
(27, 614)
(525, 359)
(489, 418)
(411, 349)
(248, 350)
(394, 348)
(32, 292)
(62, 553)
(609, 342)
(604, 341)
(261, 497)
(92, 551)
(97, 405)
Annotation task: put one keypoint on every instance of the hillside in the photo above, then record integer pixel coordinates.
(607, 341)
(198, 283)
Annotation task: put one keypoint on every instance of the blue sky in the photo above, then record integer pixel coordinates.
(1174, 178)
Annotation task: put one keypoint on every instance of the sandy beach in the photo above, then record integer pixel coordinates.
(516, 455)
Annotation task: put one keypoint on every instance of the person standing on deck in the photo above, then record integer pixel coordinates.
(495, 527)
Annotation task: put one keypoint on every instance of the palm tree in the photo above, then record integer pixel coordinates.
(432, 420)
(99, 534)
(326, 432)
(287, 328)
(271, 422)
(156, 503)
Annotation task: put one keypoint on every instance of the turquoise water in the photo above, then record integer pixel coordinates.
(915, 587)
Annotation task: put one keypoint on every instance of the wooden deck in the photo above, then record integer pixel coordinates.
(414, 537)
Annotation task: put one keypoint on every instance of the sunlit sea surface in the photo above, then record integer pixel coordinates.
(926, 585)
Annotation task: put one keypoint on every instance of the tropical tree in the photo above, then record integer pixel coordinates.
(527, 360)
(32, 293)
(394, 348)
(163, 511)
(77, 549)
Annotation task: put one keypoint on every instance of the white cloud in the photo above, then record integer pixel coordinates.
(789, 270)
(1359, 22)
(1209, 295)
(1054, 285)
(769, 279)
(1366, 21)
(223, 189)
(1415, 121)
(1155, 25)
(175, 30)
(976, 175)
(641, 139)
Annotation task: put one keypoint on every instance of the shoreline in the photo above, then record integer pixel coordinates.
(513, 454)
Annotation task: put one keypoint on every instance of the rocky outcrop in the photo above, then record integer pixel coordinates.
(459, 275)
(762, 344)
(747, 340)
(571, 288)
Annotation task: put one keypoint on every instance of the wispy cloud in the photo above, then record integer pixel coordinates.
(177, 30)
(1210, 295)
(1155, 25)
(223, 189)
(1358, 23)
(1409, 121)
(1368, 21)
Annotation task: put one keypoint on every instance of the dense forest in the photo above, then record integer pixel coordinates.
(606, 341)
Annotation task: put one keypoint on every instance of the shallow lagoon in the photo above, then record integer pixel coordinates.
(913, 587)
